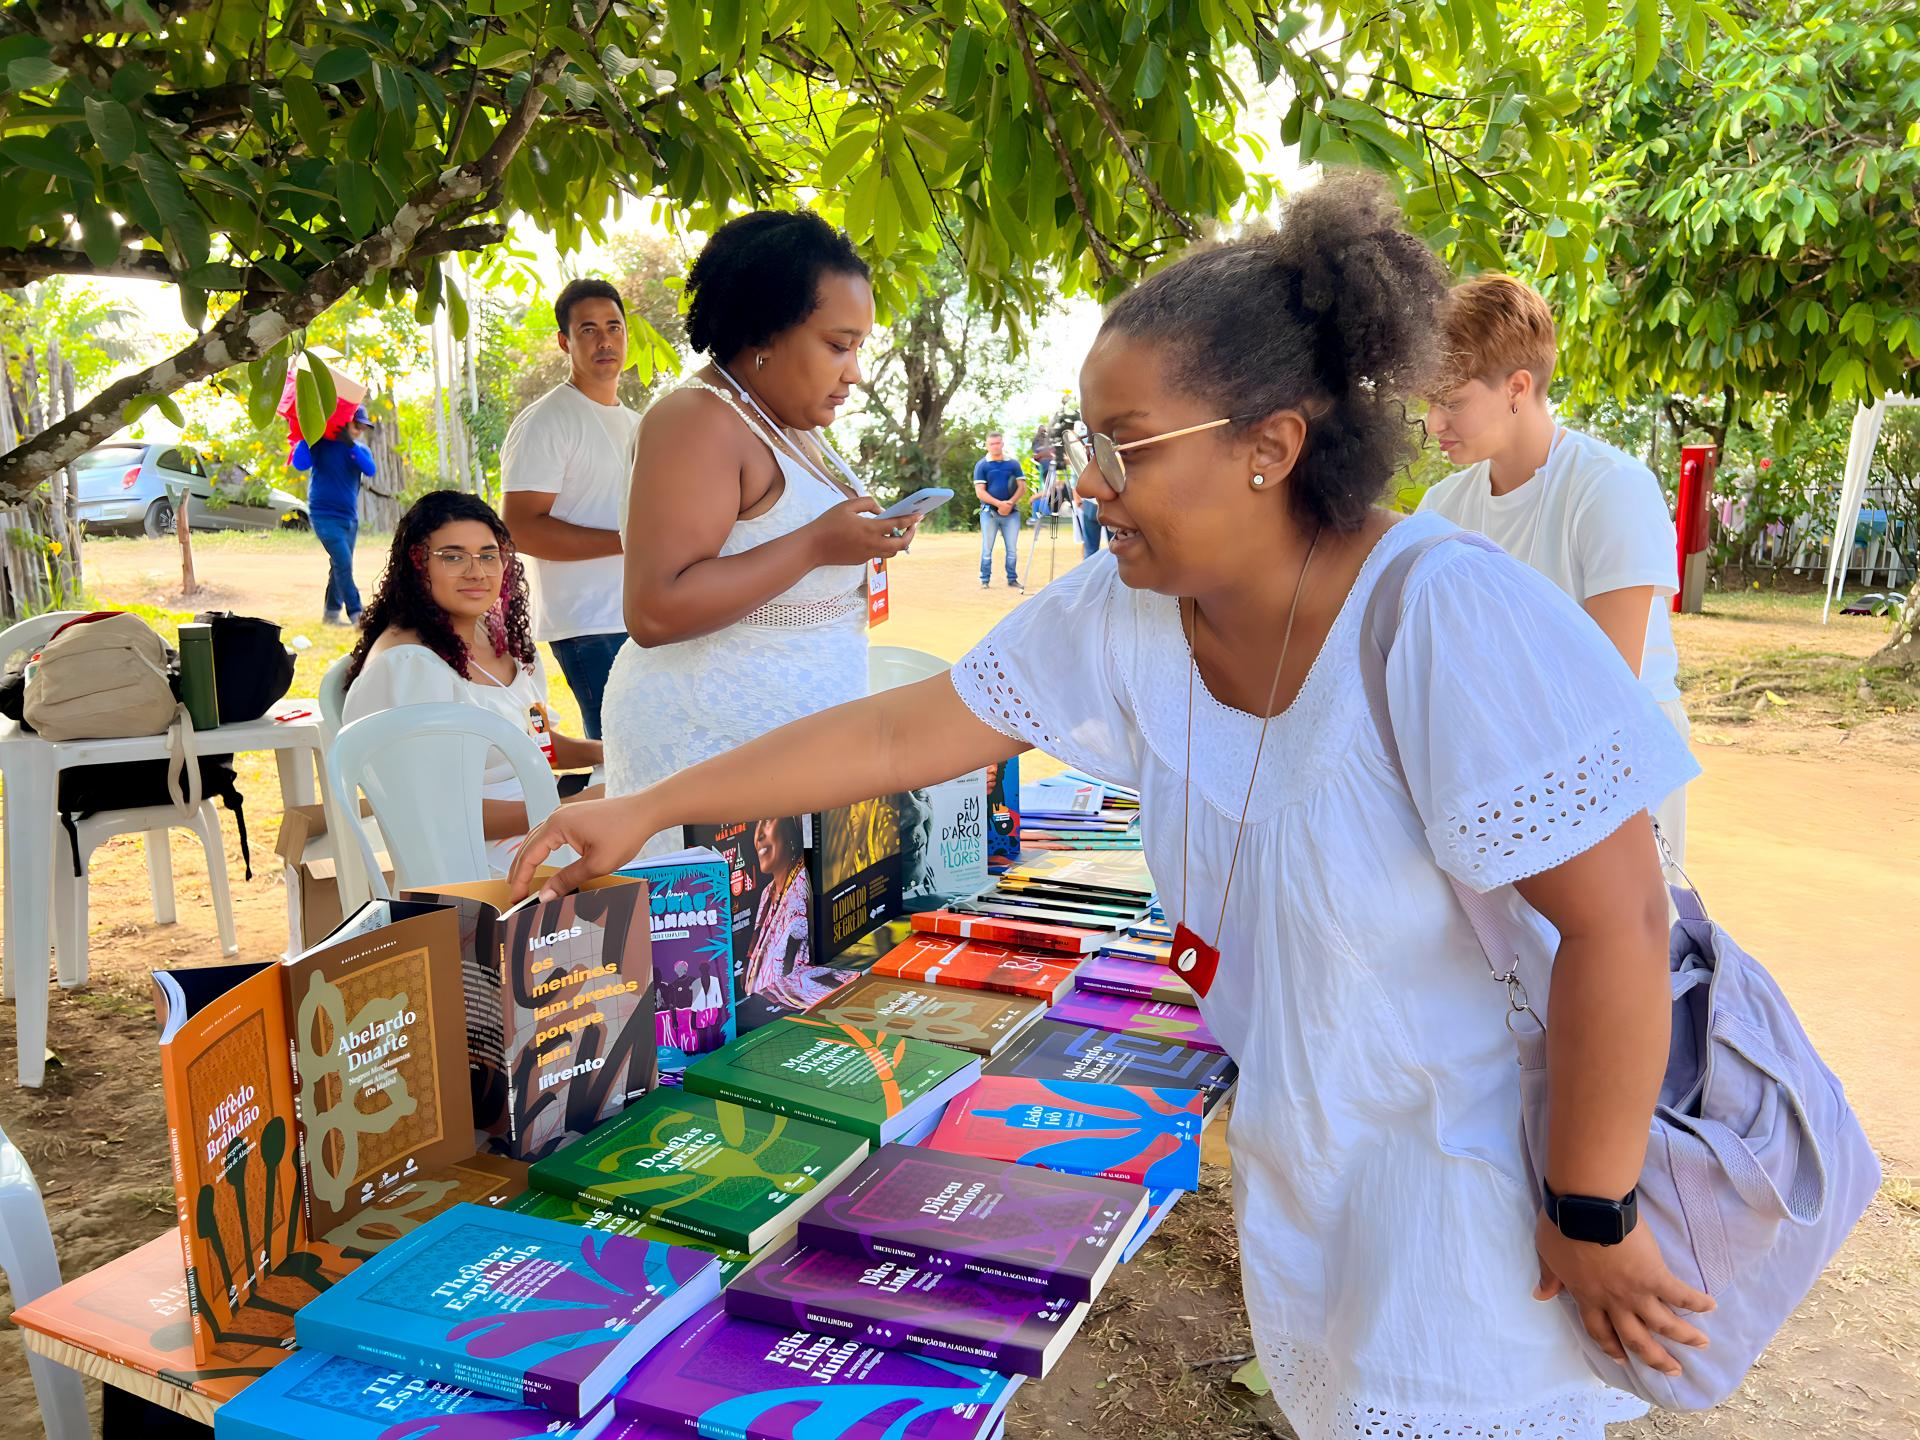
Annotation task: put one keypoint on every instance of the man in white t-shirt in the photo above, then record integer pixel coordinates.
(564, 469)
(1591, 518)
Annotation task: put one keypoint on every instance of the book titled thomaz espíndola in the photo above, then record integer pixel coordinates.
(1124, 1132)
(316, 1396)
(898, 1306)
(512, 1305)
(728, 1379)
(1003, 1222)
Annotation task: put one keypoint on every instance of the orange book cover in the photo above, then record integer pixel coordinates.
(975, 965)
(135, 1311)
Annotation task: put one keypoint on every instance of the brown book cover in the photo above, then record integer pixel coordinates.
(979, 1021)
(378, 1020)
(560, 1002)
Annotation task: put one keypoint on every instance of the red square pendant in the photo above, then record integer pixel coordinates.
(1194, 960)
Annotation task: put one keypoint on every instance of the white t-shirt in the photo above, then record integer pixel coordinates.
(581, 452)
(1592, 519)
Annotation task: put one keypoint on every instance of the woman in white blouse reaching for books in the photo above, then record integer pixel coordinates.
(1250, 403)
(450, 624)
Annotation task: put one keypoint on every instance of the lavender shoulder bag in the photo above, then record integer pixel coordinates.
(1756, 1168)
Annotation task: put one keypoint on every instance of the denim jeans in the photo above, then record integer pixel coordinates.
(1007, 527)
(1090, 531)
(586, 661)
(336, 537)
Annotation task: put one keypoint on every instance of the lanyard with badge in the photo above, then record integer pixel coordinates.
(878, 604)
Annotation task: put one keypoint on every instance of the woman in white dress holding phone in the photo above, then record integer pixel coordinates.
(748, 538)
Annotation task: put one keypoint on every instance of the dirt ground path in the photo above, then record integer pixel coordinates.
(1803, 833)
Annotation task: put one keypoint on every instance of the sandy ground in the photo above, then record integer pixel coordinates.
(1803, 832)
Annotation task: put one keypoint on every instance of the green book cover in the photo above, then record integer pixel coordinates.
(585, 1213)
(708, 1168)
(867, 1082)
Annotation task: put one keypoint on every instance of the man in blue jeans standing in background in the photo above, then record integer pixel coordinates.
(999, 481)
(333, 508)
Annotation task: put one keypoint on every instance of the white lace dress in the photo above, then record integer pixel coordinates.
(1386, 1226)
(803, 651)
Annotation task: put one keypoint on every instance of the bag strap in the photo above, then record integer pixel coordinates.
(1379, 625)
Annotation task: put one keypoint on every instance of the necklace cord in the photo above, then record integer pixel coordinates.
(1186, 799)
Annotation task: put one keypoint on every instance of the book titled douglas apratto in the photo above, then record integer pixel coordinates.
(727, 1379)
(560, 1009)
(512, 1305)
(1003, 1222)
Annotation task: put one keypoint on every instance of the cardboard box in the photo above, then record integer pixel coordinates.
(313, 880)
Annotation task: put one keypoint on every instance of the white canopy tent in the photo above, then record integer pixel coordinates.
(1853, 491)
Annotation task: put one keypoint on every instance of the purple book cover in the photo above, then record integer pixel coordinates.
(1154, 1019)
(1007, 1223)
(1108, 974)
(728, 1379)
(898, 1306)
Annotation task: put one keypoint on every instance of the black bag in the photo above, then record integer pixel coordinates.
(251, 668)
(87, 789)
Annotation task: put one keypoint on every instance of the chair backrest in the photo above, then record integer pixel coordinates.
(32, 1269)
(333, 698)
(891, 665)
(33, 632)
(422, 768)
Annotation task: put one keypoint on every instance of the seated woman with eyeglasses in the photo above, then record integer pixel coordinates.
(449, 623)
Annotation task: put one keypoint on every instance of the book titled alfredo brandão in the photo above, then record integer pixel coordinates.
(512, 1305)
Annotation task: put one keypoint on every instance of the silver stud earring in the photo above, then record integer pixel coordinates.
(760, 363)
(1258, 481)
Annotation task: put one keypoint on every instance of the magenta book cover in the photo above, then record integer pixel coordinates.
(898, 1306)
(728, 1379)
(1108, 974)
(1123, 1132)
(1004, 1222)
(1154, 1019)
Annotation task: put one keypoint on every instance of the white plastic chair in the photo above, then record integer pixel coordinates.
(892, 665)
(26, 1254)
(422, 768)
(152, 821)
(333, 698)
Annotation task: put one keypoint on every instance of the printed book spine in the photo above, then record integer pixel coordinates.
(430, 1362)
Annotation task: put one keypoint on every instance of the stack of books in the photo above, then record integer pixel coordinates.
(1074, 811)
(1057, 903)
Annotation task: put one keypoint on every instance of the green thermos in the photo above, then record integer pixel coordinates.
(196, 676)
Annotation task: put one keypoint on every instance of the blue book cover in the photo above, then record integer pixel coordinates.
(1159, 1203)
(312, 1395)
(690, 896)
(512, 1305)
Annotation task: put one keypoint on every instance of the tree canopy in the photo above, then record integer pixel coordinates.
(272, 156)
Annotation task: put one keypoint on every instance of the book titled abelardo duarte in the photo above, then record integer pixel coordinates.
(720, 1171)
(512, 1305)
(1123, 1132)
(1003, 1222)
(727, 1379)
(900, 1306)
(869, 1083)
(1049, 1050)
(317, 1396)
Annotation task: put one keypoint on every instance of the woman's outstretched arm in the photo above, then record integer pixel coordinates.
(902, 739)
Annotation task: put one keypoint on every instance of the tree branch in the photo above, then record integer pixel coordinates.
(71, 21)
(1101, 259)
(23, 267)
(1103, 107)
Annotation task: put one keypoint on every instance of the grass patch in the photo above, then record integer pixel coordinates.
(1832, 688)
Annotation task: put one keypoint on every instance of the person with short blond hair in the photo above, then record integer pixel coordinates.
(1591, 518)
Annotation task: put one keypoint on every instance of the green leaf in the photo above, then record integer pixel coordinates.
(847, 151)
(324, 389)
(1153, 73)
(307, 407)
(184, 227)
(263, 400)
(193, 307)
(389, 87)
(357, 196)
(34, 72)
(456, 308)
(1252, 1378)
(99, 235)
(966, 63)
(308, 112)
(501, 52)
(113, 130)
(341, 64)
(1644, 17)
(50, 157)
(727, 30)
(170, 408)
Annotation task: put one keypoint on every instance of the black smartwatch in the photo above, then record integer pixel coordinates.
(1587, 1218)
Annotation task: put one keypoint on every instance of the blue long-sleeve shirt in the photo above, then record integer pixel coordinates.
(337, 465)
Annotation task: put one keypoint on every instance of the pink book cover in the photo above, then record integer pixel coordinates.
(1155, 1019)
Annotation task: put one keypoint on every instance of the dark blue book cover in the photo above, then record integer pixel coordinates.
(1051, 1050)
(691, 922)
(312, 1395)
(512, 1305)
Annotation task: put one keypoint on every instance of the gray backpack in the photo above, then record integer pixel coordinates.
(1756, 1168)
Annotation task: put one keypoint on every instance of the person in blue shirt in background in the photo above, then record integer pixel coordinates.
(999, 481)
(338, 465)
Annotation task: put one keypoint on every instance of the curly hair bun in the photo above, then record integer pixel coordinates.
(1334, 311)
(760, 275)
